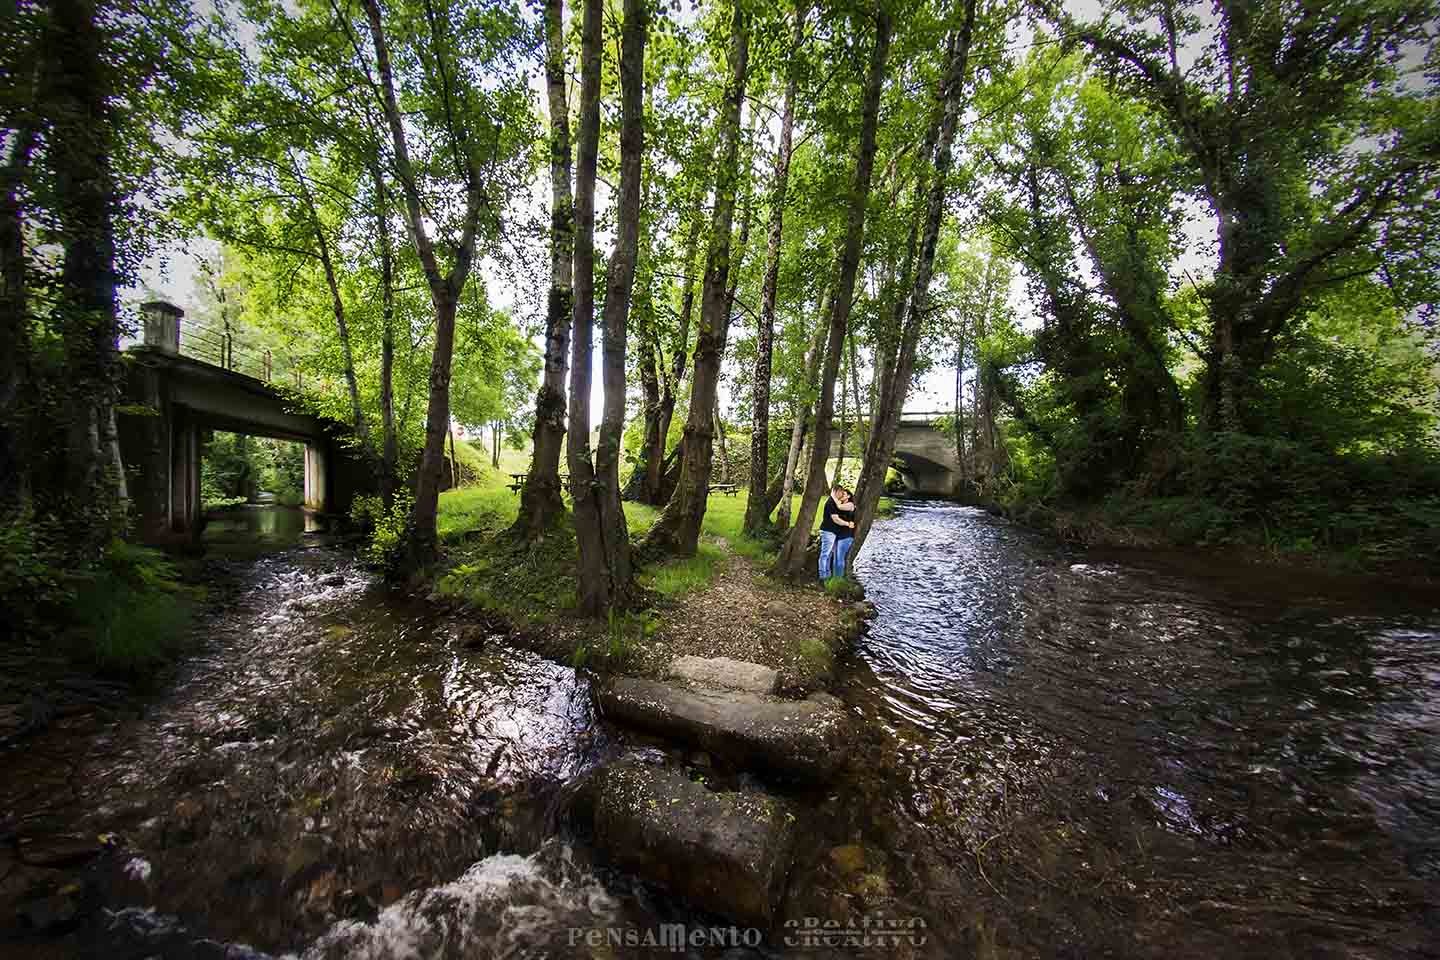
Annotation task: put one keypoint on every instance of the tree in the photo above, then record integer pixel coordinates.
(894, 390)
(540, 501)
(1269, 124)
(677, 531)
(465, 123)
(757, 508)
(792, 560)
(604, 572)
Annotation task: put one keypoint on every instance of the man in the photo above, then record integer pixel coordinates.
(834, 524)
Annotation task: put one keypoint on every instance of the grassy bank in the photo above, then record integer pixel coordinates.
(716, 603)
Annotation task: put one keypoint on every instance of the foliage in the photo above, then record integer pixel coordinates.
(132, 611)
(385, 529)
(127, 614)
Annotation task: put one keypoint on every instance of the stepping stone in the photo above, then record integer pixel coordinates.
(724, 672)
(803, 739)
(729, 853)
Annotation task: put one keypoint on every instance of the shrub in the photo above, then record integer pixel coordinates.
(134, 610)
(386, 530)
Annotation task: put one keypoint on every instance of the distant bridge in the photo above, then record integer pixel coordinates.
(172, 400)
(924, 455)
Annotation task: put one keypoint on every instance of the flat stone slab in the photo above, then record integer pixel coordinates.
(798, 738)
(729, 853)
(724, 672)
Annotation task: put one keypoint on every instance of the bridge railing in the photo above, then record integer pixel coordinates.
(218, 343)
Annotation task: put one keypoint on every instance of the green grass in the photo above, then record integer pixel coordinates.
(481, 508)
(675, 578)
(535, 582)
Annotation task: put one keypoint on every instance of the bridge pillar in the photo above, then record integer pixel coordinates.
(185, 449)
(316, 480)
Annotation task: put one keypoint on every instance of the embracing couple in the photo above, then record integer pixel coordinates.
(837, 532)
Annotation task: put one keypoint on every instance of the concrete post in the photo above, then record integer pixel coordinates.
(162, 325)
(316, 480)
(184, 476)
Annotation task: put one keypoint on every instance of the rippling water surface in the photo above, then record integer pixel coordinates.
(1062, 754)
(1127, 755)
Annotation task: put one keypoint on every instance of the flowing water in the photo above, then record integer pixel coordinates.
(1131, 755)
(1063, 755)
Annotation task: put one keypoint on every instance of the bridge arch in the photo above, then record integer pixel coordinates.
(174, 400)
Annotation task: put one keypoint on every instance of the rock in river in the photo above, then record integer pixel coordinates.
(726, 852)
(799, 738)
(725, 672)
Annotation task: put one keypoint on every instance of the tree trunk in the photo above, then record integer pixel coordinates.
(724, 454)
(445, 294)
(800, 428)
(792, 560)
(757, 511)
(454, 464)
(855, 391)
(959, 425)
(881, 448)
(591, 571)
(618, 587)
(650, 406)
(337, 303)
(80, 143)
(495, 446)
(678, 529)
(540, 499)
(390, 443)
(651, 488)
(14, 330)
(844, 428)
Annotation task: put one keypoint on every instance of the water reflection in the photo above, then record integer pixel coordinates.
(1234, 748)
(260, 523)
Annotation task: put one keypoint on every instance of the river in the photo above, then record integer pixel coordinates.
(1065, 754)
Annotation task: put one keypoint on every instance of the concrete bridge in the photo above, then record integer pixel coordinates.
(173, 401)
(924, 455)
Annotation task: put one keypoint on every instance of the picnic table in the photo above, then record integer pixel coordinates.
(729, 489)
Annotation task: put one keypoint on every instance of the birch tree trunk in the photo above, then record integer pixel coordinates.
(591, 572)
(540, 500)
(799, 429)
(618, 587)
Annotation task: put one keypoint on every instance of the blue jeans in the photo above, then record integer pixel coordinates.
(842, 550)
(827, 553)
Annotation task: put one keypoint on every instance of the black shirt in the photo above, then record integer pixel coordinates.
(833, 513)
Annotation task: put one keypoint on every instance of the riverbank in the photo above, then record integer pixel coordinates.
(1178, 530)
(719, 603)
